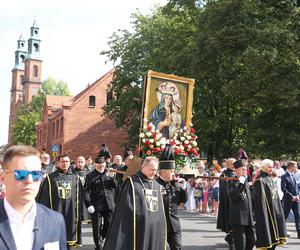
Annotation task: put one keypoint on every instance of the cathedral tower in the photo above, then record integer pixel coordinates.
(33, 66)
(16, 92)
(26, 74)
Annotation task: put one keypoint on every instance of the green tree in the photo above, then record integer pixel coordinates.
(244, 56)
(28, 116)
(162, 41)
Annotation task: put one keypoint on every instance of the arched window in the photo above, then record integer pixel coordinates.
(61, 126)
(92, 101)
(22, 58)
(35, 71)
(21, 79)
(57, 128)
(53, 129)
(109, 96)
(36, 46)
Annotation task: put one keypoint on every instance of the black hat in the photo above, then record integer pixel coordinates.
(104, 152)
(239, 164)
(127, 153)
(100, 159)
(166, 160)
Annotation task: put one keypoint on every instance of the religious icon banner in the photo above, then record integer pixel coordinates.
(168, 101)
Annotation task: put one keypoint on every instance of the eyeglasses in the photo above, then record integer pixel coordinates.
(22, 175)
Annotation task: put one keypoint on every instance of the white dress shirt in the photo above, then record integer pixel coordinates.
(22, 228)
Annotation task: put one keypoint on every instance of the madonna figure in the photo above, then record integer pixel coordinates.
(160, 116)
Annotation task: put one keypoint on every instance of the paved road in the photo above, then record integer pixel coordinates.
(199, 233)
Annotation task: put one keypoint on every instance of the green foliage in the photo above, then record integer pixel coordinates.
(51, 87)
(28, 116)
(244, 56)
(160, 42)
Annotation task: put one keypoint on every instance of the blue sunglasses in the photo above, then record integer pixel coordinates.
(22, 175)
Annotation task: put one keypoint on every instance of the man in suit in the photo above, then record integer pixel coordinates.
(241, 217)
(290, 186)
(24, 224)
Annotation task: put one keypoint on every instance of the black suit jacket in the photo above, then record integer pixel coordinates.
(99, 191)
(49, 227)
(173, 195)
(290, 187)
(241, 211)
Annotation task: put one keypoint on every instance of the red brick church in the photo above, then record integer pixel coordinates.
(75, 123)
(26, 74)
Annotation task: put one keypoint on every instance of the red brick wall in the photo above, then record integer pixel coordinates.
(85, 128)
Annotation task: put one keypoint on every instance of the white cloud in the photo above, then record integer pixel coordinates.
(72, 32)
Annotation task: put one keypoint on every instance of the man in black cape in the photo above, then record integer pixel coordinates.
(174, 193)
(241, 217)
(139, 221)
(82, 171)
(224, 205)
(61, 191)
(270, 223)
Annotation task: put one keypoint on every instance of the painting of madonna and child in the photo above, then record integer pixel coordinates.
(168, 102)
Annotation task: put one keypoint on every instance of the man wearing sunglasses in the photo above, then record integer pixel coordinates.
(24, 224)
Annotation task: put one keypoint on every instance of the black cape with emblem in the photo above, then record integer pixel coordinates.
(224, 205)
(270, 223)
(138, 224)
(85, 215)
(67, 200)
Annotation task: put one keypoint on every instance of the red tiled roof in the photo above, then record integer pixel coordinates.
(54, 101)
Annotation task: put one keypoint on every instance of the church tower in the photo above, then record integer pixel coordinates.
(33, 66)
(26, 74)
(16, 92)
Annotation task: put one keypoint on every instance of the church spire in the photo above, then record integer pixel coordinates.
(34, 42)
(20, 53)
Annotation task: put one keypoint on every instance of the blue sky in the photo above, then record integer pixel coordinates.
(72, 33)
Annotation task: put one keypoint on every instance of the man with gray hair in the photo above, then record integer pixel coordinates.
(270, 223)
(139, 221)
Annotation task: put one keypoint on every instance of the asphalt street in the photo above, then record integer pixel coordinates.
(199, 233)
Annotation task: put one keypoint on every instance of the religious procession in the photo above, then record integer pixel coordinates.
(150, 125)
(132, 201)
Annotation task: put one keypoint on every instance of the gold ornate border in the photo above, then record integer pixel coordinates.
(164, 76)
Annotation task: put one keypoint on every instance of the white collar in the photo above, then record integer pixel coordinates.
(15, 217)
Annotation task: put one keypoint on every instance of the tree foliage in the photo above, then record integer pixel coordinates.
(29, 115)
(244, 56)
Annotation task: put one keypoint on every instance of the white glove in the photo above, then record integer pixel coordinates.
(111, 173)
(91, 209)
(183, 183)
(242, 179)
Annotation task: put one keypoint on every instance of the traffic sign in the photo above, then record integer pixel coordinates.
(55, 148)
(55, 154)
